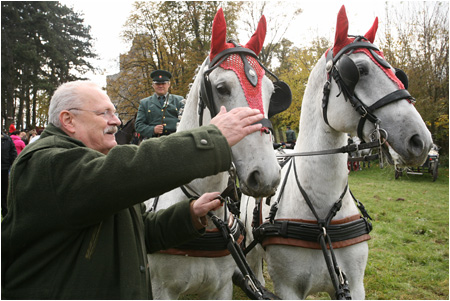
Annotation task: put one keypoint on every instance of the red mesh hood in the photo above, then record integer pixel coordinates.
(252, 94)
(388, 71)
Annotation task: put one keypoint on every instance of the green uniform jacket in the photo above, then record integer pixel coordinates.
(290, 136)
(151, 113)
(75, 228)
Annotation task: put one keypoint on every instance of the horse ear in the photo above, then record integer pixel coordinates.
(219, 34)
(341, 37)
(257, 40)
(370, 35)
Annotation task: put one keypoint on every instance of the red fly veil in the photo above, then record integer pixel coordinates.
(341, 40)
(234, 61)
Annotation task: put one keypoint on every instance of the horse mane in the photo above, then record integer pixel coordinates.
(188, 121)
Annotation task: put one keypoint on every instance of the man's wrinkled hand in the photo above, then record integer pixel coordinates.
(237, 123)
(205, 203)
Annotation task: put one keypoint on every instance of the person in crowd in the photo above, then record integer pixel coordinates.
(31, 134)
(76, 227)
(18, 142)
(159, 114)
(23, 136)
(9, 154)
(36, 137)
(291, 139)
(12, 129)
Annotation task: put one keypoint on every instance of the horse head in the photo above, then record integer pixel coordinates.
(359, 77)
(233, 77)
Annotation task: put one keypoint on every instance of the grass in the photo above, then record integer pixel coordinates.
(409, 249)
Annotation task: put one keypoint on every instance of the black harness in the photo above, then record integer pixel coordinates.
(323, 231)
(346, 75)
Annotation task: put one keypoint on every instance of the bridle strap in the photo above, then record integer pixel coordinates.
(366, 112)
(391, 97)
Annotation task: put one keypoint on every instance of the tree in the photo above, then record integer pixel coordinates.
(44, 44)
(295, 68)
(174, 36)
(416, 40)
(278, 22)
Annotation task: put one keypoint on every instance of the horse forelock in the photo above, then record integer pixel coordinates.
(253, 94)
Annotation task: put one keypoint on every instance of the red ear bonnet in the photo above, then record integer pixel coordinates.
(218, 35)
(370, 35)
(341, 38)
(257, 40)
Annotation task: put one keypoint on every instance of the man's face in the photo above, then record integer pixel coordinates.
(94, 122)
(161, 88)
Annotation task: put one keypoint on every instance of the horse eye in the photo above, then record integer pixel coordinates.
(223, 89)
(363, 68)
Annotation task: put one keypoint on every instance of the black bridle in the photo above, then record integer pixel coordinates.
(348, 80)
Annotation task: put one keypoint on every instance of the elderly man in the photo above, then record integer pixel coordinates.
(76, 228)
(159, 114)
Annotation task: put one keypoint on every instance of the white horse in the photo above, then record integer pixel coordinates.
(296, 270)
(254, 159)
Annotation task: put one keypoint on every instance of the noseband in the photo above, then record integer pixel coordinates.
(347, 83)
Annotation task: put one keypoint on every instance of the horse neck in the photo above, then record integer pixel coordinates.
(190, 121)
(322, 177)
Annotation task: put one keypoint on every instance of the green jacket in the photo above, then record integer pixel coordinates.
(151, 113)
(76, 228)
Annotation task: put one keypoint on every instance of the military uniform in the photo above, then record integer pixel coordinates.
(159, 109)
(151, 113)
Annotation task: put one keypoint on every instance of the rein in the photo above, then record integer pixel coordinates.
(344, 149)
(225, 240)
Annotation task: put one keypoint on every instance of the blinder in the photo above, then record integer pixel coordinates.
(280, 100)
(401, 75)
(348, 72)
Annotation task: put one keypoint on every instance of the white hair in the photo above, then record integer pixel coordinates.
(67, 96)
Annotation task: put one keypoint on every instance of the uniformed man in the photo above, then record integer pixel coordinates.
(159, 114)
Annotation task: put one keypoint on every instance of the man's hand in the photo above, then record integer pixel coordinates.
(206, 203)
(237, 123)
(158, 129)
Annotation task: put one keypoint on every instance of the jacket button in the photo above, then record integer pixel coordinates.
(204, 141)
(142, 269)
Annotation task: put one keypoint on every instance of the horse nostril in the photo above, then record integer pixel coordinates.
(253, 180)
(416, 145)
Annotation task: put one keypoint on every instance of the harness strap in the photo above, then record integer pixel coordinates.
(211, 244)
(344, 149)
(306, 232)
(391, 97)
(364, 158)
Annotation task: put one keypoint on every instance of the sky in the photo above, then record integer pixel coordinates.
(318, 18)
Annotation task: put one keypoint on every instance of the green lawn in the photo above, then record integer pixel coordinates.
(408, 255)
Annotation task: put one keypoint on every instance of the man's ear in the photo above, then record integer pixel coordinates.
(67, 121)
